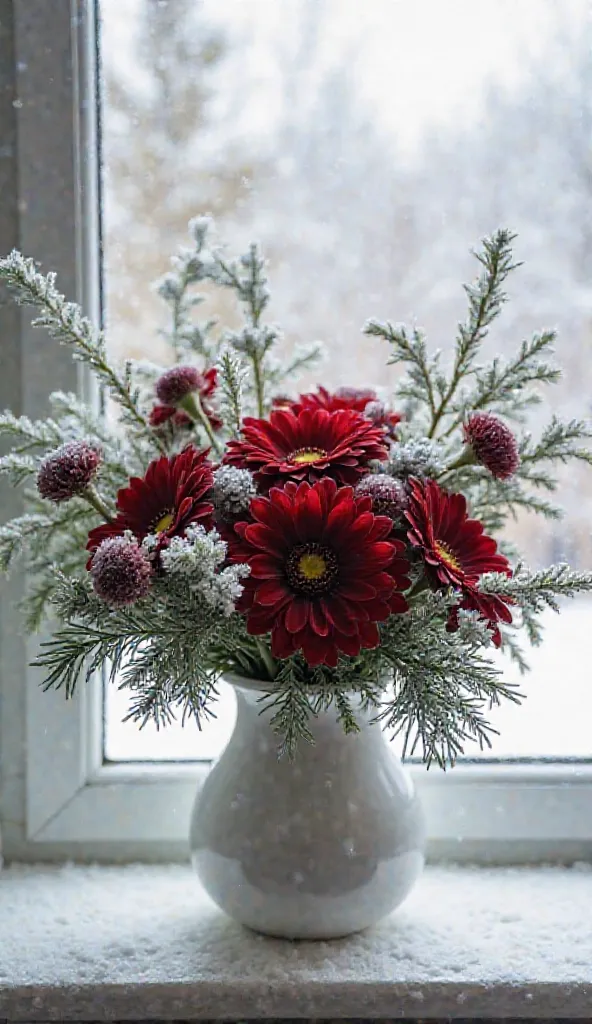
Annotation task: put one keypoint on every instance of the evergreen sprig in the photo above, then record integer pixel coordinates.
(64, 321)
(511, 386)
(540, 589)
(232, 375)
(190, 267)
(426, 384)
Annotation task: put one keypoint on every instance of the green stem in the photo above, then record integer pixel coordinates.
(266, 658)
(467, 458)
(258, 386)
(418, 588)
(93, 497)
(193, 407)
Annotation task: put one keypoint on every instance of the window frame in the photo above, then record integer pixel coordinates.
(57, 798)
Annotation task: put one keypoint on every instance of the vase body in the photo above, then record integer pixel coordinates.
(314, 848)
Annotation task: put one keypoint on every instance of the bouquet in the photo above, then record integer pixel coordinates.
(337, 546)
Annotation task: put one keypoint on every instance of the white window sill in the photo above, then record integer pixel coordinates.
(145, 942)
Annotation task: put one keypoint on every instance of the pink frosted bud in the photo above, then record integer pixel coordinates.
(175, 384)
(120, 571)
(389, 497)
(493, 444)
(68, 470)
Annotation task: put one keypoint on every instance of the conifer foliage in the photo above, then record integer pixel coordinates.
(335, 546)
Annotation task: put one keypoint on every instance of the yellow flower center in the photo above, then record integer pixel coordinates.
(164, 522)
(447, 555)
(303, 456)
(312, 567)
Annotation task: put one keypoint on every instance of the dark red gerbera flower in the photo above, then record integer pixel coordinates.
(455, 550)
(160, 414)
(165, 501)
(322, 571)
(362, 400)
(381, 416)
(343, 398)
(307, 445)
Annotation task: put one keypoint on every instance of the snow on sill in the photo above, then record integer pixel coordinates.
(144, 942)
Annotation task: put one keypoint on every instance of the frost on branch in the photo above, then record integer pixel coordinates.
(198, 556)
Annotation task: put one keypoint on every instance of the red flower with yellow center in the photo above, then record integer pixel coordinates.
(456, 551)
(165, 501)
(344, 398)
(307, 445)
(362, 400)
(323, 572)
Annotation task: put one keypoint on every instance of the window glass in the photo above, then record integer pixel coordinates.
(367, 147)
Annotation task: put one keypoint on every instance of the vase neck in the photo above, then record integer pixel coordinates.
(253, 699)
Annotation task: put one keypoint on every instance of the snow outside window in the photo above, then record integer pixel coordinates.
(367, 150)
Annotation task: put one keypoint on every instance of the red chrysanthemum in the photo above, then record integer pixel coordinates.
(307, 445)
(343, 398)
(165, 501)
(455, 550)
(177, 385)
(160, 414)
(362, 400)
(493, 444)
(381, 416)
(322, 571)
(284, 402)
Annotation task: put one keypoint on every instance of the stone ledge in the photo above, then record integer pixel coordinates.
(144, 942)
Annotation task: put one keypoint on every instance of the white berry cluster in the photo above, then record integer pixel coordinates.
(199, 555)
(417, 457)
(232, 492)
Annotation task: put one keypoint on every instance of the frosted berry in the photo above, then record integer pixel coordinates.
(389, 497)
(120, 571)
(175, 384)
(493, 444)
(68, 470)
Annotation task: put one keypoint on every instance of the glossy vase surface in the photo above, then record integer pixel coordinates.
(316, 848)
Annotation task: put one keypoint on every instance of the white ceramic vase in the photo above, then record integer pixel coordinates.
(314, 848)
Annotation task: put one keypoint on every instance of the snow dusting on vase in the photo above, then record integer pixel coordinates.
(316, 848)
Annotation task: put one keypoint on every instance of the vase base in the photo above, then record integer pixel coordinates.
(267, 907)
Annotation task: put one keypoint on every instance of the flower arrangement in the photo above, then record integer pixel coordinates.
(333, 545)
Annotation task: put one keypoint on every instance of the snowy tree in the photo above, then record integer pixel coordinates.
(525, 164)
(166, 156)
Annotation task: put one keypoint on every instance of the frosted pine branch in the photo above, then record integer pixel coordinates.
(232, 374)
(190, 266)
(486, 298)
(18, 468)
(560, 442)
(540, 589)
(509, 386)
(246, 276)
(305, 358)
(64, 321)
(409, 347)
(27, 435)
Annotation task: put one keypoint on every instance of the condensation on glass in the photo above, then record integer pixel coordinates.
(367, 148)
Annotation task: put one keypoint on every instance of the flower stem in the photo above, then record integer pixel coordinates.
(467, 458)
(266, 658)
(418, 588)
(258, 386)
(193, 407)
(93, 497)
